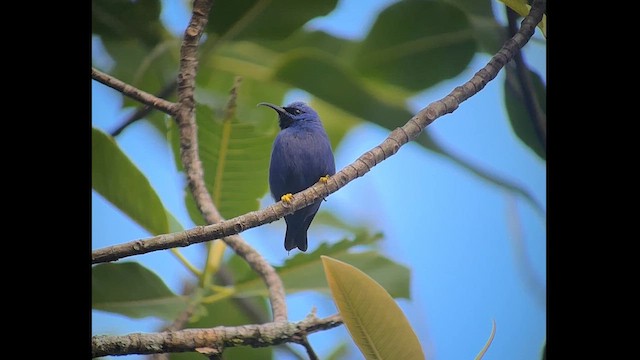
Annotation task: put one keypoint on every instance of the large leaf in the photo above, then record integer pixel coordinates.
(229, 313)
(336, 122)
(130, 289)
(250, 60)
(235, 157)
(264, 19)
(434, 42)
(340, 49)
(118, 180)
(333, 82)
(374, 320)
(522, 122)
(304, 271)
(126, 19)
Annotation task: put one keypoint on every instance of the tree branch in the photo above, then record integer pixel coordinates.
(134, 93)
(212, 339)
(358, 168)
(144, 110)
(307, 346)
(185, 117)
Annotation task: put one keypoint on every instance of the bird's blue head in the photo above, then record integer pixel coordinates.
(296, 112)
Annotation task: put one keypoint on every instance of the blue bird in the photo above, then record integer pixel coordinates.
(300, 157)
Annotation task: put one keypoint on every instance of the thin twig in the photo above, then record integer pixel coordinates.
(185, 117)
(134, 93)
(221, 337)
(307, 346)
(144, 110)
(362, 165)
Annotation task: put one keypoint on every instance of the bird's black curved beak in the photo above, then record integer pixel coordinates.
(277, 108)
(284, 119)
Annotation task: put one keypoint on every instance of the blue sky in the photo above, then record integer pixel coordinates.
(455, 231)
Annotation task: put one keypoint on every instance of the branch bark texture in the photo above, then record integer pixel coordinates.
(185, 117)
(362, 165)
(213, 339)
(133, 92)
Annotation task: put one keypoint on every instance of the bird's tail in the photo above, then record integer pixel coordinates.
(295, 238)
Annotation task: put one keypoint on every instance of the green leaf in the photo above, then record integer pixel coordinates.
(341, 49)
(252, 129)
(522, 122)
(435, 42)
(328, 218)
(252, 61)
(475, 7)
(130, 289)
(228, 313)
(336, 122)
(235, 157)
(261, 19)
(369, 313)
(304, 271)
(324, 77)
(118, 180)
(339, 352)
(174, 224)
(125, 19)
(488, 32)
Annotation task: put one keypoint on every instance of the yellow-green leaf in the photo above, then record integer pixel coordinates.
(522, 8)
(374, 320)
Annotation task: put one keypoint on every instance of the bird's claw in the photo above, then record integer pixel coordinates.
(287, 197)
(324, 179)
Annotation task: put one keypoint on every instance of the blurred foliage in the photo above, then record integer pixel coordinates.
(412, 46)
(522, 123)
(130, 289)
(304, 271)
(119, 181)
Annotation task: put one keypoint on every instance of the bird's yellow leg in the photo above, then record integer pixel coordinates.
(287, 197)
(324, 180)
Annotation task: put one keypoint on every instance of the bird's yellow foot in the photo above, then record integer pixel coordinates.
(287, 197)
(324, 179)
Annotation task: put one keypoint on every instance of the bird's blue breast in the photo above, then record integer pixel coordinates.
(300, 156)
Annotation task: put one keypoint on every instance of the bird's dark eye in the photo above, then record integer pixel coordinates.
(293, 111)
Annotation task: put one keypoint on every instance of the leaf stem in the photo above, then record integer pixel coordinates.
(186, 262)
